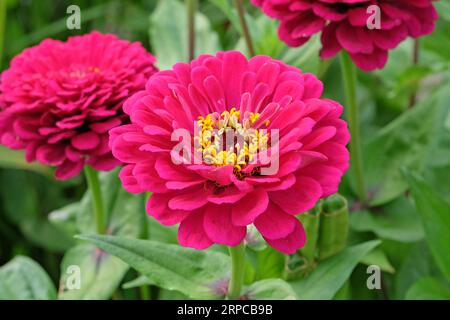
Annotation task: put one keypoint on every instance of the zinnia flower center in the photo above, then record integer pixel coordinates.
(230, 138)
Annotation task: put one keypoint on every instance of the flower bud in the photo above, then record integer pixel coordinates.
(311, 223)
(334, 224)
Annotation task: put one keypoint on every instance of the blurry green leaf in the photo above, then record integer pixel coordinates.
(269, 264)
(138, 282)
(161, 233)
(12, 159)
(428, 289)
(46, 235)
(22, 201)
(65, 218)
(24, 279)
(331, 274)
(270, 289)
(100, 273)
(435, 213)
(404, 142)
(198, 274)
(169, 37)
(417, 264)
(397, 220)
(125, 211)
(343, 293)
(438, 164)
(228, 9)
(378, 257)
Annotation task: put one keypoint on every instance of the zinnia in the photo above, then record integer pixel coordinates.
(59, 99)
(216, 199)
(343, 24)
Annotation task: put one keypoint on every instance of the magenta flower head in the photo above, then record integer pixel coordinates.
(367, 29)
(197, 137)
(59, 99)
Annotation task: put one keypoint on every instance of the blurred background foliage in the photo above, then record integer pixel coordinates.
(406, 133)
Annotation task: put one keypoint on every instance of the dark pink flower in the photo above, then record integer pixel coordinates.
(214, 200)
(59, 99)
(343, 24)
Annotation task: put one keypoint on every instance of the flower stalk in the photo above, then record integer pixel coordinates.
(245, 31)
(415, 61)
(349, 78)
(97, 199)
(2, 28)
(237, 255)
(191, 9)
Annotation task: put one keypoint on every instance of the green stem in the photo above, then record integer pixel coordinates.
(191, 9)
(97, 200)
(237, 255)
(2, 28)
(245, 31)
(145, 292)
(415, 61)
(349, 77)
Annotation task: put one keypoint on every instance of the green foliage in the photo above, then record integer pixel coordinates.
(101, 273)
(428, 289)
(169, 36)
(404, 142)
(331, 274)
(404, 229)
(24, 279)
(270, 289)
(436, 220)
(197, 274)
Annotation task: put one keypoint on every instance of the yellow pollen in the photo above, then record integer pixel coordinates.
(215, 131)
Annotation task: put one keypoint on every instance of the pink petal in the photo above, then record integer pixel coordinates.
(306, 192)
(274, 223)
(292, 242)
(219, 227)
(250, 207)
(192, 234)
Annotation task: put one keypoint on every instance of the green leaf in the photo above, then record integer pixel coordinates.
(416, 265)
(406, 141)
(102, 273)
(23, 194)
(24, 279)
(65, 218)
(270, 289)
(46, 235)
(138, 282)
(397, 220)
(379, 258)
(197, 274)
(169, 37)
(435, 215)
(269, 264)
(331, 274)
(13, 159)
(428, 289)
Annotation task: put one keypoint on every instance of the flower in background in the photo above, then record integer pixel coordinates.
(59, 99)
(216, 199)
(343, 24)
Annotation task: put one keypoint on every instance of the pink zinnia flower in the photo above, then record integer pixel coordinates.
(343, 24)
(215, 200)
(59, 99)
